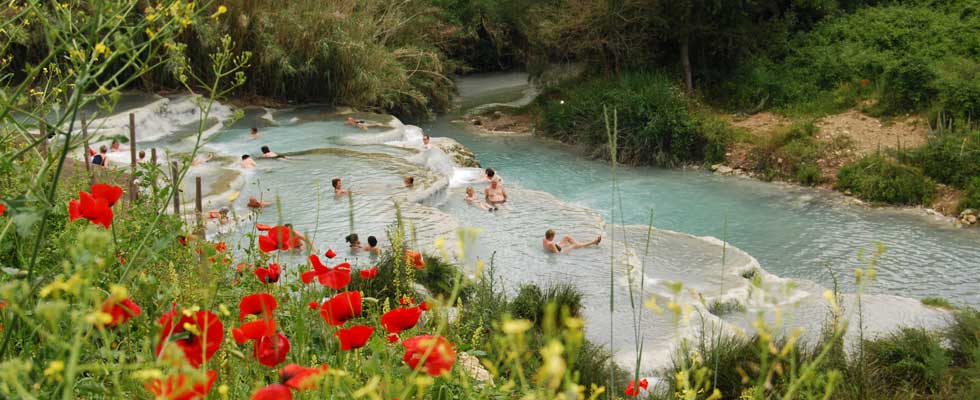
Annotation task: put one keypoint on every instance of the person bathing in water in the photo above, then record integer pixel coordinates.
(266, 153)
(254, 134)
(491, 175)
(425, 142)
(101, 159)
(255, 203)
(372, 245)
(565, 244)
(247, 162)
(472, 199)
(495, 195)
(337, 188)
(409, 182)
(358, 123)
(354, 241)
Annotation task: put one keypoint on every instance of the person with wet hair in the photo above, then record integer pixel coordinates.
(491, 175)
(472, 199)
(142, 157)
(116, 146)
(495, 195)
(247, 162)
(337, 187)
(409, 181)
(101, 159)
(372, 245)
(254, 203)
(353, 241)
(254, 133)
(568, 242)
(267, 153)
(425, 142)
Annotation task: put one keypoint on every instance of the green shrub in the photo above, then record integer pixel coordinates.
(938, 302)
(908, 86)
(951, 158)
(882, 179)
(913, 357)
(971, 196)
(791, 154)
(655, 123)
(964, 338)
(439, 277)
(958, 84)
(531, 302)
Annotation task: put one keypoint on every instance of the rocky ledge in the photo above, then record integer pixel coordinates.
(969, 217)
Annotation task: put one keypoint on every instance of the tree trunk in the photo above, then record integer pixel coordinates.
(686, 61)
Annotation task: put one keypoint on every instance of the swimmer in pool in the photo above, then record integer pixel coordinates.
(425, 142)
(472, 199)
(255, 203)
(566, 243)
(337, 188)
(266, 153)
(254, 134)
(201, 159)
(116, 146)
(354, 241)
(247, 162)
(495, 195)
(409, 182)
(491, 176)
(359, 123)
(372, 245)
(220, 215)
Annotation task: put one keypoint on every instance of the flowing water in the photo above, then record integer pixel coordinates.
(783, 240)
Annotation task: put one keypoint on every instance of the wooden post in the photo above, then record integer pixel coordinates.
(132, 156)
(153, 156)
(43, 132)
(85, 151)
(198, 205)
(173, 180)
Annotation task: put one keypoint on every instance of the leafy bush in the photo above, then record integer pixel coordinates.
(908, 86)
(911, 356)
(879, 178)
(531, 302)
(791, 154)
(971, 195)
(964, 338)
(655, 123)
(950, 158)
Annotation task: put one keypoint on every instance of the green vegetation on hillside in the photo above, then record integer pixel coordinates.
(656, 123)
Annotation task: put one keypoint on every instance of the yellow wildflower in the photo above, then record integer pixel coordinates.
(101, 49)
(221, 10)
(516, 326)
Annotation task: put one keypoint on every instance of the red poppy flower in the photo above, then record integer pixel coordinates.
(94, 209)
(183, 240)
(337, 277)
(263, 227)
(273, 392)
(424, 306)
(354, 337)
(3, 209)
(120, 310)
(269, 275)
(261, 304)
(341, 308)
(392, 337)
(633, 391)
(299, 377)
(314, 305)
(279, 238)
(111, 193)
(401, 319)
(415, 257)
(369, 273)
(221, 246)
(198, 335)
(254, 330)
(182, 386)
(434, 353)
(271, 350)
(330, 253)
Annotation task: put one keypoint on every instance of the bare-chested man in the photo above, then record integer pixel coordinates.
(495, 195)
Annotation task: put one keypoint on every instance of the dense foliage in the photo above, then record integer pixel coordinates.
(880, 178)
(655, 121)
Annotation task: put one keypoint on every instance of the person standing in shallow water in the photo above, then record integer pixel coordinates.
(495, 195)
(566, 243)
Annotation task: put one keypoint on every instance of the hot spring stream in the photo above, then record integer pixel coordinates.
(789, 236)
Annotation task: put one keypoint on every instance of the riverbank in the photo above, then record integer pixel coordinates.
(844, 138)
